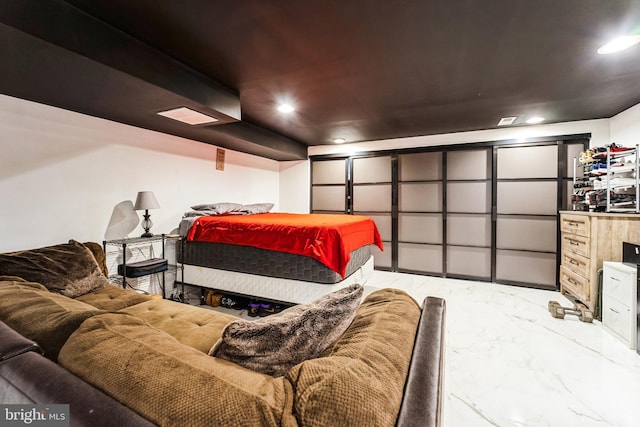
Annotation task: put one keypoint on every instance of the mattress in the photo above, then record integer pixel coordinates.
(327, 238)
(270, 288)
(263, 262)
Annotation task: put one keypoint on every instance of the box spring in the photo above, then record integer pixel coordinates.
(270, 288)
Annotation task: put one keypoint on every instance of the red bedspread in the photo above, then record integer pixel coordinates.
(327, 238)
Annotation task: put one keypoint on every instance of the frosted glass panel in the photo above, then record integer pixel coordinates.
(328, 172)
(469, 261)
(420, 228)
(420, 166)
(382, 258)
(328, 198)
(536, 234)
(469, 197)
(383, 222)
(424, 258)
(472, 230)
(528, 162)
(372, 169)
(420, 197)
(526, 267)
(375, 198)
(537, 198)
(472, 164)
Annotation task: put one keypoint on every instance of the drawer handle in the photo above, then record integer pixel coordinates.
(573, 262)
(570, 280)
(616, 312)
(573, 224)
(613, 278)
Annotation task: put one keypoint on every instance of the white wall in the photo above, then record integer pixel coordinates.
(294, 186)
(62, 173)
(625, 127)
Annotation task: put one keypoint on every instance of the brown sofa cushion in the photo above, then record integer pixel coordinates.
(114, 298)
(193, 326)
(68, 268)
(273, 345)
(42, 316)
(360, 378)
(169, 383)
(12, 279)
(19, 281)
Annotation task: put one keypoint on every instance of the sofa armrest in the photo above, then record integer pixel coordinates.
(12, 343)
(30, 378)
(423, 394)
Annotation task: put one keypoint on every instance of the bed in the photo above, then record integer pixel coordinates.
(287, 257)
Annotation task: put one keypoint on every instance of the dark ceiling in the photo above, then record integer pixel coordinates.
(362, 70)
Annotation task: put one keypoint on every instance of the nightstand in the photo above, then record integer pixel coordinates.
(619, 305)
(146, 267)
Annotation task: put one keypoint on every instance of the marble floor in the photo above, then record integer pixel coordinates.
(509, 363)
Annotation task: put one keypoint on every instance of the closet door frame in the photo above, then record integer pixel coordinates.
(562, 180)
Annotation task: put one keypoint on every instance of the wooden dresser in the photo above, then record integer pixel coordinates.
(587, 239)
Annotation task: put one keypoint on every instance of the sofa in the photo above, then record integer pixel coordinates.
(120, 357)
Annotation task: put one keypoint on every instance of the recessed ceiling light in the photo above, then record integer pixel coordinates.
(339, 140)
(286, 108)
(618, 44)
(187, 115)
(535, 120)
(507, 121)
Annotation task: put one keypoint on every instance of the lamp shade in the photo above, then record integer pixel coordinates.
(146, 200)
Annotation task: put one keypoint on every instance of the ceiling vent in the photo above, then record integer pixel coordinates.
(187, 115)
(507, 121)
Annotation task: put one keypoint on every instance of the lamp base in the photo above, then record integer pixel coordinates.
(147, 224)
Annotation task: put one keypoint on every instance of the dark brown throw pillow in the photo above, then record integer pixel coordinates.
(272, 345)
(69, 269)
(98, 253)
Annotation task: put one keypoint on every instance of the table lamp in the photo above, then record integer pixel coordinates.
(146, 200)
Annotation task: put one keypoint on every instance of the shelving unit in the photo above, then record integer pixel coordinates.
(136, 242)
(612, 186)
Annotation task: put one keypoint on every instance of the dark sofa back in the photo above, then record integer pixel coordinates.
(26, 377)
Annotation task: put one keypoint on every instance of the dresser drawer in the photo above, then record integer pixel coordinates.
(575, 224)
(618, 283)
(575, 244)
(577, 285)
(576, 263)
(618, 319)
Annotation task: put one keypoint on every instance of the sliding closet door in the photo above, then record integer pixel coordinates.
(468, 213)
(329, 186)
(372, 192)
(485, 211)
(420, 225)
(527, 205)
